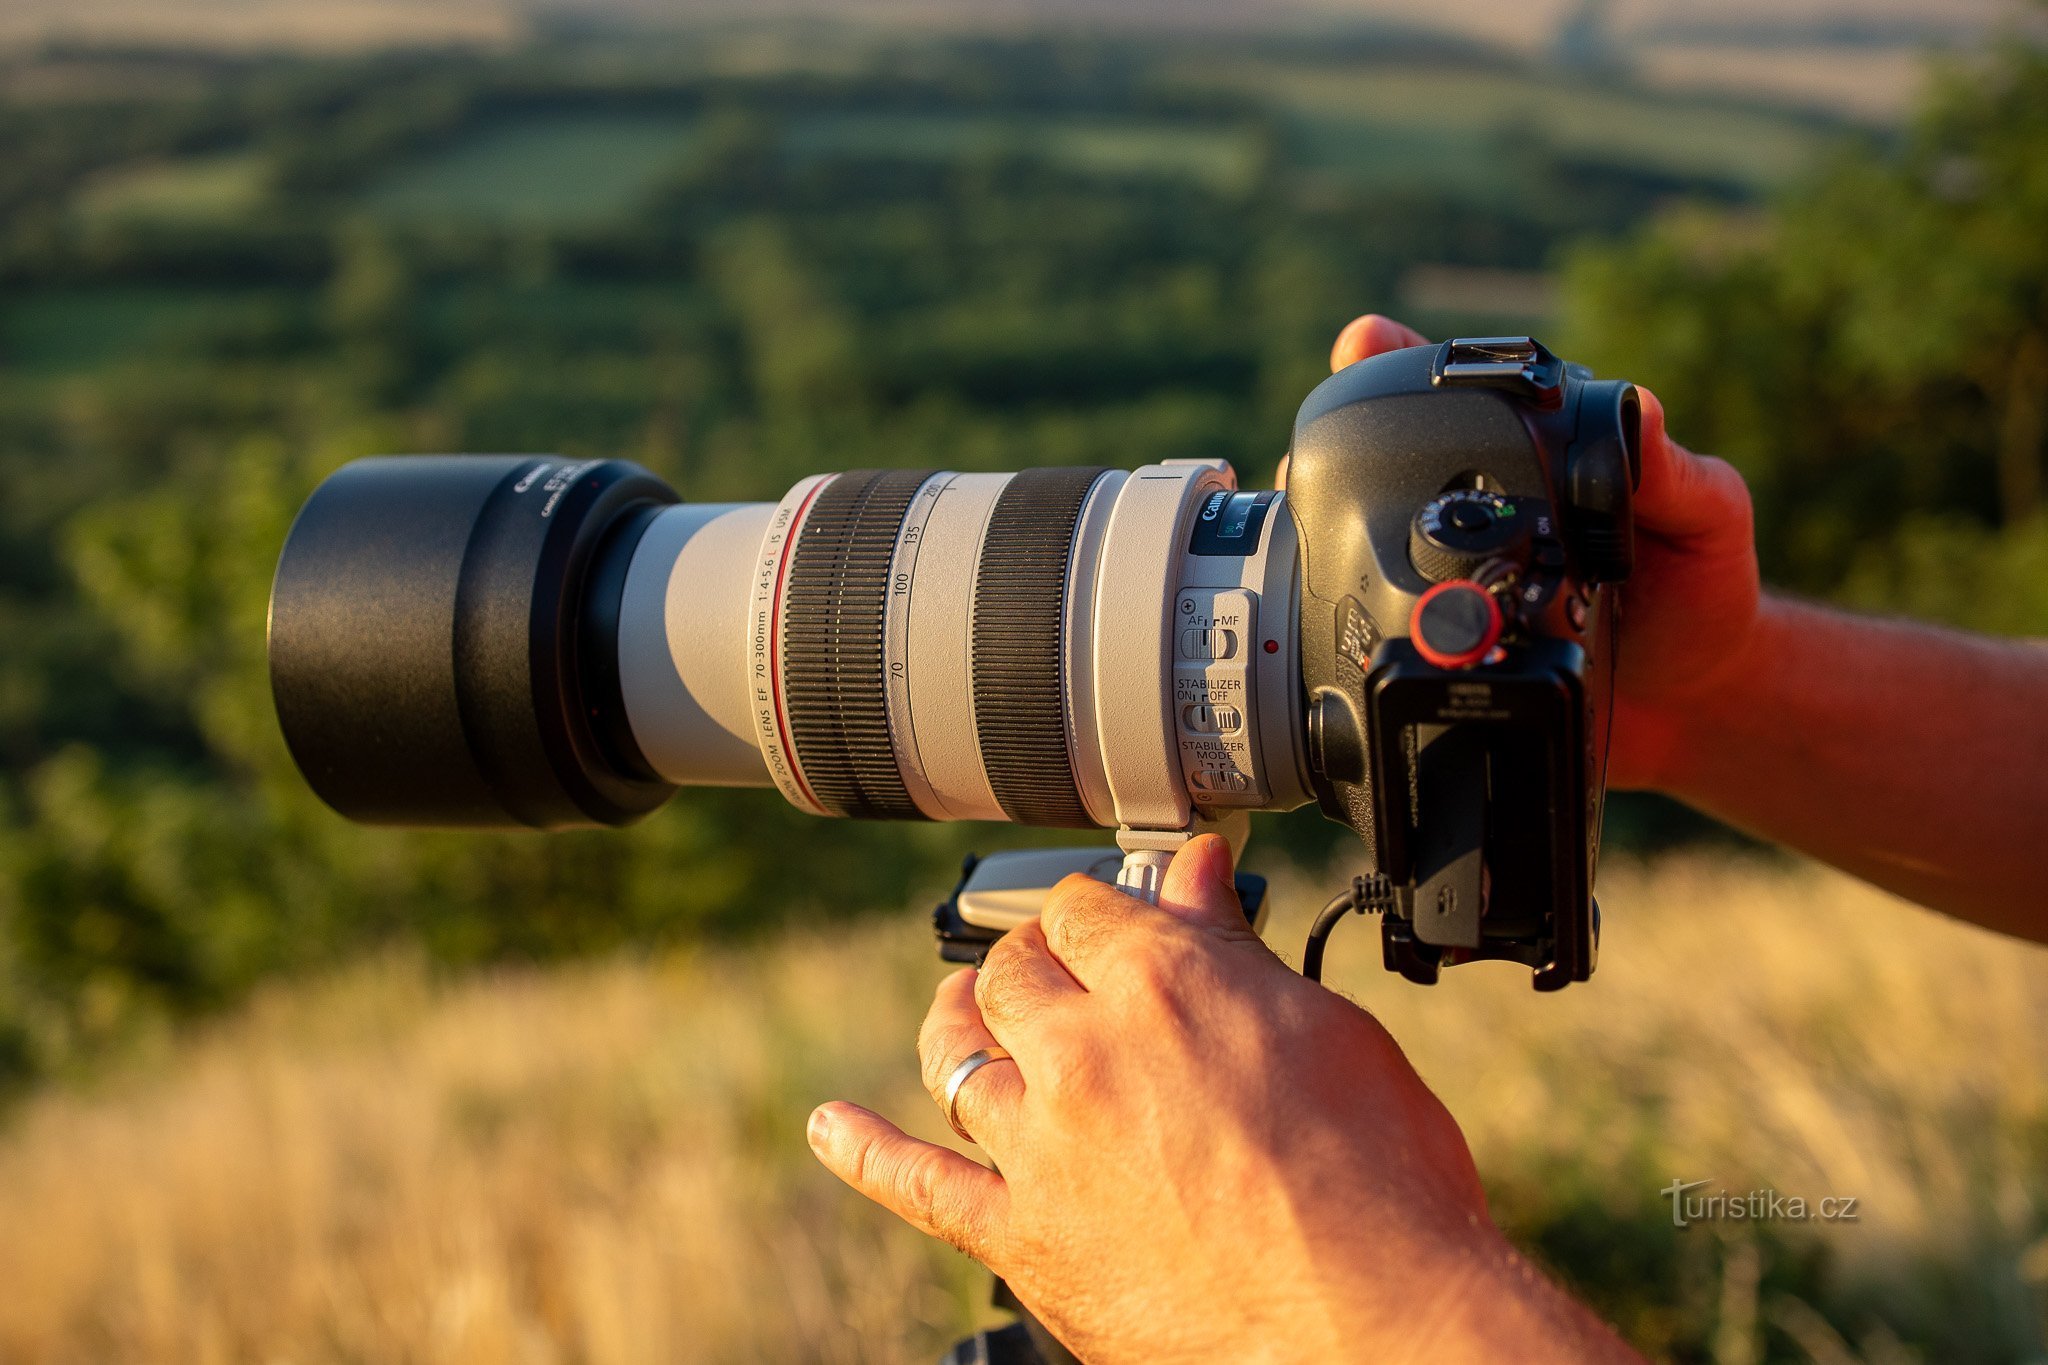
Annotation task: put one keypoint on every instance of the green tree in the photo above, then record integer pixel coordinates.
(1872, 352)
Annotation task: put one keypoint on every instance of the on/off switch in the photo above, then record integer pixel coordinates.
(1208, 642)
(1204, 718)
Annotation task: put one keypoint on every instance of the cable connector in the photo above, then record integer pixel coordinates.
(1375, 894)
(1372, 895)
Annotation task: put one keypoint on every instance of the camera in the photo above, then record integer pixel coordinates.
(1417, 634)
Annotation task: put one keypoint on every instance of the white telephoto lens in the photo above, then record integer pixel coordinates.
(1061, 646)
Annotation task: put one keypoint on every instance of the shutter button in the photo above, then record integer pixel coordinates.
(1455, 624)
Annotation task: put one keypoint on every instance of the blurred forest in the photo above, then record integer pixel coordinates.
(740, 260)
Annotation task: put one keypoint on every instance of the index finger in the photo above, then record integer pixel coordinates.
(1367, 336)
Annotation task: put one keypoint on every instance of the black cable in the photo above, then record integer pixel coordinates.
(1363, 896)
(1342, 904)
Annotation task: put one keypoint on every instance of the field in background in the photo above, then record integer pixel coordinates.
(605, 1163)
(221, 277)
(1387, 127)
(1850, 57)
(567, 169)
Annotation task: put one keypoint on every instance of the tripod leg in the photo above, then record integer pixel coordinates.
(1023, 1342)
(998, 1346)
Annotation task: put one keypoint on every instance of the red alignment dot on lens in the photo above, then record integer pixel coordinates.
(1272, 646)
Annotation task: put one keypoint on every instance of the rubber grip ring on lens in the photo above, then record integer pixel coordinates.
(1020, 599)
(833, 643)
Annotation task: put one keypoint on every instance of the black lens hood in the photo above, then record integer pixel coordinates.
(432, 650)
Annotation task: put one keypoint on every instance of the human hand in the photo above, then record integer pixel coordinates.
(1691, 604)
(1204, 1157)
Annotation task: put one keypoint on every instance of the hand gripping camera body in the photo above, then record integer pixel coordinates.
(1417, 633)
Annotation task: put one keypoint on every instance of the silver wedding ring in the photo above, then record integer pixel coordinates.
(971, 1063)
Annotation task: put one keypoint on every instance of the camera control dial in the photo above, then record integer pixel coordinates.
(1455, 625)
(1458, 531)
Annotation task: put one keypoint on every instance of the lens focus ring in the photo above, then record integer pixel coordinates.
(833, 618)
(1020, 593)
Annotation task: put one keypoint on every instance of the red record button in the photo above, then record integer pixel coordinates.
(1455, 624)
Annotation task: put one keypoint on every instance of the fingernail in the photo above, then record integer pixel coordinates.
(820, 1126)
(1221, 863)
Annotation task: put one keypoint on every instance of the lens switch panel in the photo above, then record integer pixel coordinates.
(1214, 695)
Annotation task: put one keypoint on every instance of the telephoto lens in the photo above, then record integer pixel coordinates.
(1418, 635)
(508, 641)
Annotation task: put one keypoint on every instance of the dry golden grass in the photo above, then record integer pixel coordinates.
(605, 1163)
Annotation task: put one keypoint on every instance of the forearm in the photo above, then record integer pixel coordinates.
(1500, 1307)
(1911, 756)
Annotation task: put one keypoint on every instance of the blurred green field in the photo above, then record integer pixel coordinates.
(78, 330)
(560, 169)
(1411, 124)
(196, 190)
(1220, 158)
(1461, 129)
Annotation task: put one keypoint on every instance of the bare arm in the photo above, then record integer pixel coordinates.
(1913, 757)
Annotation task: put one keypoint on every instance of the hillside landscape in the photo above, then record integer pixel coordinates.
(276, 1087)
(1860, 59)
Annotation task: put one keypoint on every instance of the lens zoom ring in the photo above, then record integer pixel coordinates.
(833, 611)
(1020, 593)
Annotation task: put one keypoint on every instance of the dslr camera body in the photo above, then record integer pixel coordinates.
(1417, 633)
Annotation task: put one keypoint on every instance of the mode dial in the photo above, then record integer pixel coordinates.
(1457, 532)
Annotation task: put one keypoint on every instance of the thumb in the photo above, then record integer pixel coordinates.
(1199, 883)
(1687, 498)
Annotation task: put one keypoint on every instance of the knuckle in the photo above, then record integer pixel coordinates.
(1731, 485)
(921, 1187)
(1077, 897)
(940, 1051)
(1083, 912)
(1075, 934)
(991, 985)
(1000, 990)
(860, 1162)
(918, 1183)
